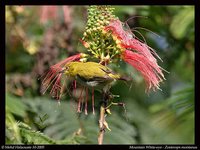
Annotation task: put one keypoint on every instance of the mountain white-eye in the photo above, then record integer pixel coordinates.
(91, 74)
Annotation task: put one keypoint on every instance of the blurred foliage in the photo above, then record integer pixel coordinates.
(165, 116)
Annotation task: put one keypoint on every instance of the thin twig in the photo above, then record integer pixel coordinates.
(101, 125)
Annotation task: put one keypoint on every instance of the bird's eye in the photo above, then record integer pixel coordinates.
(67, 68)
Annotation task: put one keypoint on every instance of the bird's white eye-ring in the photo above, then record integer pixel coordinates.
(67, 68)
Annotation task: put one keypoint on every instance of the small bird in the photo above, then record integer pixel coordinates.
(89, 74)
(92, 74)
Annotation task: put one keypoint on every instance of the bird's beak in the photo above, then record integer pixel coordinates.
(63, 70)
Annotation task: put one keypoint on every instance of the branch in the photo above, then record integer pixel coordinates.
(101, 125)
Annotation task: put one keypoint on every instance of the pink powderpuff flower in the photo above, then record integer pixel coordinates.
(149, 69)
(137, 54)
(52, 13)
(47, 13)
(67, 10)
(54, 76)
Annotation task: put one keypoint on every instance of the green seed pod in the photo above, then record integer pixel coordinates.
(84, 34)
(94, 29)
(103, 45)
(88, 31)
(97, 24)
(101, 41)
(98, 28)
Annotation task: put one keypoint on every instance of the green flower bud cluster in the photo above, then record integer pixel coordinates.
(98, 17)
(100, 42)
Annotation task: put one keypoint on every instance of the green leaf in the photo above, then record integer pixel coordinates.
(182, 21)
(12, 130)
(15, 105)
(33, 137)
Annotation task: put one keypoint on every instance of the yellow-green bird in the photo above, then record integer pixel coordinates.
(92, 74)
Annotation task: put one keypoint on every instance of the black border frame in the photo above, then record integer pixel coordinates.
(98, 2)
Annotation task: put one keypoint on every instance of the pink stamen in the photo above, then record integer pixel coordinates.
(79, 102)
(150, 70)
(85, 44)
(86, 101)
(53, 76)
(46, 85)
(93, 101)
(56, 89)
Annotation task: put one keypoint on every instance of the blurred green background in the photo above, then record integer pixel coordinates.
(35, 41)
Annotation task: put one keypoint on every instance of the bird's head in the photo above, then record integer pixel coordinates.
(70, 69)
